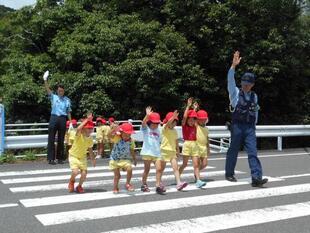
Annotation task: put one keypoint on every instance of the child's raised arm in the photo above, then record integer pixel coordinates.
(174, 117)
(148, 112)
(189, 104)
(89, 118)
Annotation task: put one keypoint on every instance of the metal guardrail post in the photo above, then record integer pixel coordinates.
(279, 143)
(2, 129)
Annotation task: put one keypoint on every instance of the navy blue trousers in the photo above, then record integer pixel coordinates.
(243, 134)
(57, 125)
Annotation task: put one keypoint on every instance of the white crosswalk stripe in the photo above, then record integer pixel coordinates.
(104, 205)
(227, 221)
(65, 177)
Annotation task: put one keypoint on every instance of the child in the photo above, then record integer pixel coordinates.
(122, 152)
(190, 146)
(100, 122)
(170, 147)
(82, 144)
(203, 138)
(151, 150)
(70, 135)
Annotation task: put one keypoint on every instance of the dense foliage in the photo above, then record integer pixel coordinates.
(117, 56)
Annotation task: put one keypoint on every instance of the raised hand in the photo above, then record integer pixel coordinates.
(148, 110)
(90, 116)
(189, 101)
(175, 114)
(196, 106)
(236, 59)
(45, 76)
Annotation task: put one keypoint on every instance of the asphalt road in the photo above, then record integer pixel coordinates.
(34, 199)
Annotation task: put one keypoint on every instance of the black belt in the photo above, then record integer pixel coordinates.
(59, 116)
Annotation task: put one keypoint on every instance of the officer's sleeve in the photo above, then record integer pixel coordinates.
(256, 101)
(232, 88)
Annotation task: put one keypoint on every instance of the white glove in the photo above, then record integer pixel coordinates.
(45, 76)
(70, 126)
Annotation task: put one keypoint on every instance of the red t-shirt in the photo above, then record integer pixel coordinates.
(189, 132)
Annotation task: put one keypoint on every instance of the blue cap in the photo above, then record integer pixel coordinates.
(247, 78)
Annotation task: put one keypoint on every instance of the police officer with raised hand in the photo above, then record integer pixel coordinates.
(61, 110)
(244, 108)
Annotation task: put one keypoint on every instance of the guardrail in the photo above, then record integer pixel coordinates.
(217, 134)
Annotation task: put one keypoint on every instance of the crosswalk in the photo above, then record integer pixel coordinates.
(43, 193)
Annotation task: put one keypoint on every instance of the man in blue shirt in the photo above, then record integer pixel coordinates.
(244, 108)
(61, 109)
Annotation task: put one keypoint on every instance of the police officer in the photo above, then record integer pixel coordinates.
(61, 109)
(244, 110)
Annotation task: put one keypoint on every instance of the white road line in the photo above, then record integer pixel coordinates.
(64, 170)
(59, 170)
(90, 184)
(294, 176)
(8, 205)
(155, 206)
(264, 156)
(65, 199)
(226, 221)
(66, 177)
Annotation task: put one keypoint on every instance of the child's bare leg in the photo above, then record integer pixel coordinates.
(184, 164)
(83, 177)
(176, 172)
(196, 165)
(147, 166)
(160, 166)
(74, 173)
(203, 162)
(129, 175)
(117, 177)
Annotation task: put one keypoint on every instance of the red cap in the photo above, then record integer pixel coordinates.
(192, 114)
(168, 117)
(89, 125)
(74, 122)
(154, 118)
(126, 128)
(67, 124)
(111, 119)
(102, 120)
(202, 115)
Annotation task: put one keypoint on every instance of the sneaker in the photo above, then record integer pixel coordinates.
(181, 186)
(60, 161)
(231, 178)
(71, 186)
(259, 182)
(129, 188)
(145, 188)
(163, 187)
(200, 184)
(51, 162)
(79, 189)
(160, 190)
(115, 191)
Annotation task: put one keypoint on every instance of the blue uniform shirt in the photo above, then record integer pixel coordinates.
(60, 105)
(233, 91)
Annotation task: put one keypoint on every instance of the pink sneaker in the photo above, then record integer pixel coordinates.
(181, 186)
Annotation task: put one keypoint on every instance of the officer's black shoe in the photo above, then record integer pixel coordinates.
(60, 161)
(51, 162)
(231, 178)
(259, 182)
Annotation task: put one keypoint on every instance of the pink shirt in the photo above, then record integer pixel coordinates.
(189, 133)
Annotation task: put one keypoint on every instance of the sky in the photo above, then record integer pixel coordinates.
(17, 4)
